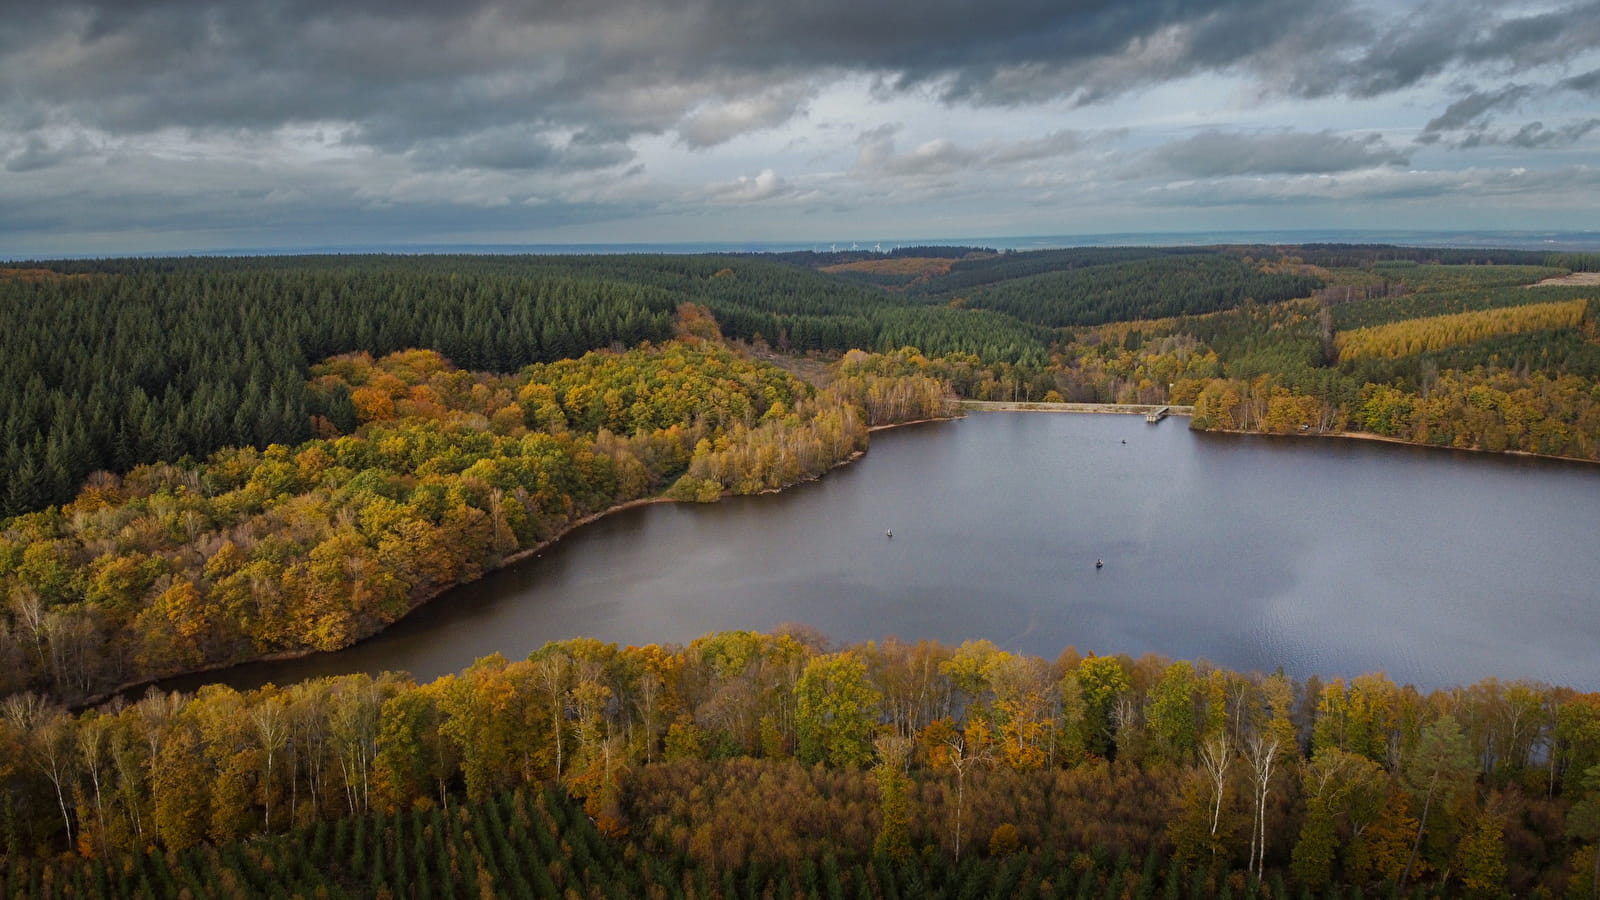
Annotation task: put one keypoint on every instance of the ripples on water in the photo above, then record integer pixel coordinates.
(1317, 556)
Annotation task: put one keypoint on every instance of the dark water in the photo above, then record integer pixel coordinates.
(1319, 556)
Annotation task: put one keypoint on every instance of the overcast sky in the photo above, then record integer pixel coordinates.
(163, 125)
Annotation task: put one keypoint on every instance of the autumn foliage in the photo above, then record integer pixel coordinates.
(1427, 335)
(753, 756)
(444, 475)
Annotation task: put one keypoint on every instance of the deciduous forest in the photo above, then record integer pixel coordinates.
(441, 475)
(752, 765)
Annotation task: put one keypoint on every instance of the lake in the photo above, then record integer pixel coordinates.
(1318, 556)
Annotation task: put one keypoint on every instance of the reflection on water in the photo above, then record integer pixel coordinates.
(1316, 556)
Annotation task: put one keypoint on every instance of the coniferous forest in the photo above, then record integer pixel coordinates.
(216, 460)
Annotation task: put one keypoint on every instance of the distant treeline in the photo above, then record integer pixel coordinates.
(818, 259)
(1147, 289)
(969, 274)
(1367, 255)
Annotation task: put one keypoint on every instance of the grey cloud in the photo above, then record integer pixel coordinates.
(765, 185)
(37, 153)
(720, 122)
(1424, 42)
(231, 204)
(1058, 143)
(498, 107)
(1534, 188)
(1534, 134)
(1214, 154)
(522, 149)
(879, 155)
(1588, 83)
(1535, 40)
(935, 157)
(1475, 106)
(410, 71)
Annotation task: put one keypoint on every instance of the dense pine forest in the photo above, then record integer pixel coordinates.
(217, 460)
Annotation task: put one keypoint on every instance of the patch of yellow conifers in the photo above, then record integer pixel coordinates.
(1413, 336)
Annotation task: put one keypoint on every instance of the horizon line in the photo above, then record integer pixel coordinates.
(1554, 240)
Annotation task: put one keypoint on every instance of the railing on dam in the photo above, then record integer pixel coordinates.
(1152, 412)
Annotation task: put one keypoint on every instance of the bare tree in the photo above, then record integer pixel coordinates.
(353, 723)
(72, 637)
(1260, 752)
(1215, 759)
(46, 730)
(91, 746)
(963, 760)
(272, 730)
(28, 608)
(553, 672)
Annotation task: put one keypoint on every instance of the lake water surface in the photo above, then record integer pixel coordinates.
(1320, 557)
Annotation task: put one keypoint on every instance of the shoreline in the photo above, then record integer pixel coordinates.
(1401, 442)
(424, 600)
(1174, 410)
(509, 560)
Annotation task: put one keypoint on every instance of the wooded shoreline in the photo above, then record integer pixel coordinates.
(510, 560)
(1401, 442)
(1178, 410)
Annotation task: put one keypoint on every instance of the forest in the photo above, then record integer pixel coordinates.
(218, 460)
(746, 764)
(422, 477)
(135, 361)
(265, 464)
(123, 362)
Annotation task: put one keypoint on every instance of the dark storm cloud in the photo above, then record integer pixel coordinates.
(1428, 40)
(1215, 154)
(404, 72)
